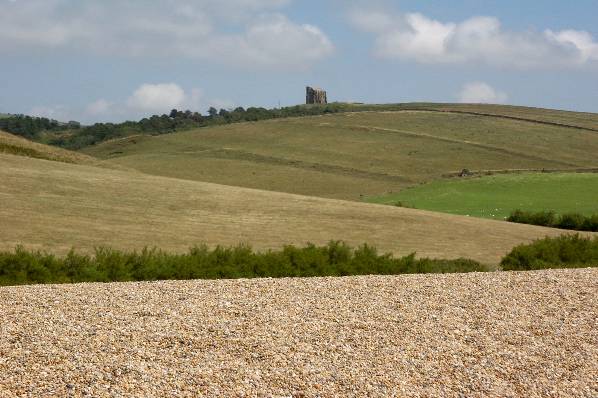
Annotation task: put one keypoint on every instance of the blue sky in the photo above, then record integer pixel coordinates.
(113, 60)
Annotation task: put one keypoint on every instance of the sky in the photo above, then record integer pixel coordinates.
(116, 60)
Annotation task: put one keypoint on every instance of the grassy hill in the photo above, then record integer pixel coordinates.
(19, 146)
(58, 206)
(355, 154)
(498, 195)
(573, 119)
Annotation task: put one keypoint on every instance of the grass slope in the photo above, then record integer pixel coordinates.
(498, 195)
(19, 146)
(357, 154)
(56, 206)
(580, 119)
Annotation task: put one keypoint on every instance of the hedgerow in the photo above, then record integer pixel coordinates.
(570, 221)
(567, 251)
(74, 136)
(22, 266)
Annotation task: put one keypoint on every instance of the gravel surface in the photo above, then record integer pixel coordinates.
(498, 334)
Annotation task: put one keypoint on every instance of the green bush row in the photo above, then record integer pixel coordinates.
(567, 251)
(30, 126)
(21, 266)
(106, 265)
(571, 221)
(73, 135)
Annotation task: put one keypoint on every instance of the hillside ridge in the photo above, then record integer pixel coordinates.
(92, 206)
(353, 154)
(466, 142)
(522, 119)
(15, 145)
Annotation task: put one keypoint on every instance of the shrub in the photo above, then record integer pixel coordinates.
(544, 218)
(106, 265)
(590, 223)
(568, 251)
(570, 221)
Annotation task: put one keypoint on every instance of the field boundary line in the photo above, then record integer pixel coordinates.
(221, 153)
(466, 142)
(479, 173)
(517, 118)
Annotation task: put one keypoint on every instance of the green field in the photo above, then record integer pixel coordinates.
(498, 195)
(359, 154)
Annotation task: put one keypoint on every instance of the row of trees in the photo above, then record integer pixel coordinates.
(74, 136)
(335, 259)
(30, 127)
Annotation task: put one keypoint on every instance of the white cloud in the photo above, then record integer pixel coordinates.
(255, 32)
(149, 99)
(157, 97)
(582, 41)
(476, 40)
(161, 98)
(274, 40)
(481, 93)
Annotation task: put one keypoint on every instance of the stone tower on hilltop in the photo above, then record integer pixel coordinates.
(315, 96)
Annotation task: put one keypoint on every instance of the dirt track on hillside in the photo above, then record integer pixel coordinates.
(499, 334)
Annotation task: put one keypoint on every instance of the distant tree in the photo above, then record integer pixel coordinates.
(213, 112)
(76, 136)
(73, 125)
(197, 117)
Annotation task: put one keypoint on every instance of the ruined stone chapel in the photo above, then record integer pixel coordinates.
(315, 96)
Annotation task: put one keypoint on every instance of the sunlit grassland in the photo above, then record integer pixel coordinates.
(354, 155)
(497, 196)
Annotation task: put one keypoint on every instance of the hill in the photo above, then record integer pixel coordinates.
(58, 206)
(535, 115)
(20, 146)
(378, 150)
(497, 196)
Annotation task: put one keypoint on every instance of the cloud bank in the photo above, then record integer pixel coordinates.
(242, 33)
(146, 100)
(157, 97)
(477, 40)
(481, 93)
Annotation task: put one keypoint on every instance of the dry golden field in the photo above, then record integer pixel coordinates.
(57, 206)
(12, 144)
